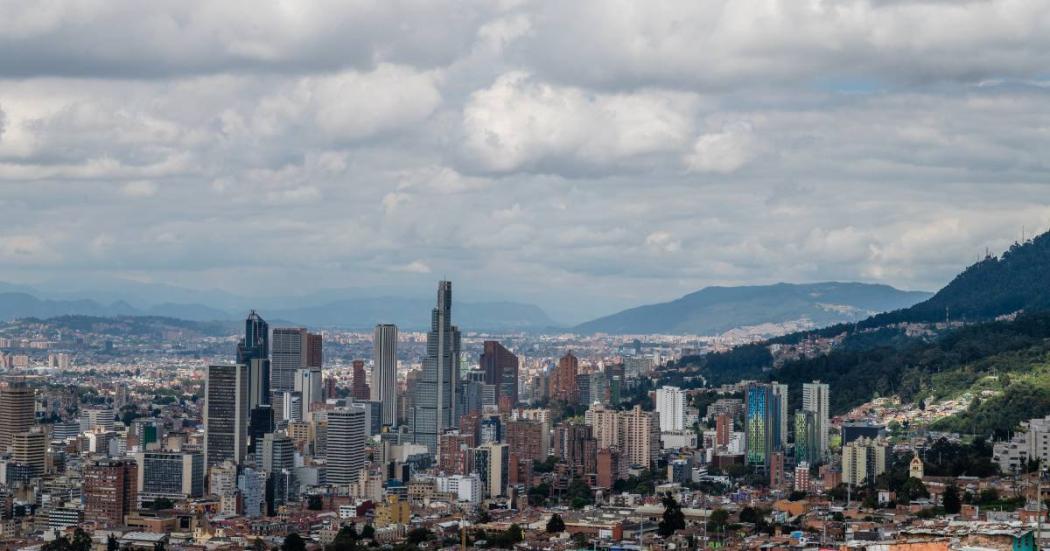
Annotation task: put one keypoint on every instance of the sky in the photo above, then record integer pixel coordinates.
(583, 156)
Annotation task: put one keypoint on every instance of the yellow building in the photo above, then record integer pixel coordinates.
(394, 511)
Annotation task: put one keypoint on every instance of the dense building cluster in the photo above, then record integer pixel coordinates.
(466, 444)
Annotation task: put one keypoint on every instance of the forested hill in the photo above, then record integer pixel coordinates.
(886, 362)
(1019, 279)
(877, 358)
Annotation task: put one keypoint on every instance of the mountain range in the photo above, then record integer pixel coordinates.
(349, 313)
(714, 310)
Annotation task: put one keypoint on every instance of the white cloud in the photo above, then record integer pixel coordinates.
(724, 152)
(139, 188)
(414, 267)
(520, 122)
(862, 139)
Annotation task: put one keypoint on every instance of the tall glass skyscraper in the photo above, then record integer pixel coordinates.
(762, 424)
(254, 351)
(436, 394)
(384, 372)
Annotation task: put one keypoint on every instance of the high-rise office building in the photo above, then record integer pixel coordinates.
(670, 403)
(762, 436)
(815, 399)
(345, 445)
(110, 491)
(781, 391)
(278, 462)
(501, 369)
(17, 410)
(226, 414)
(359, 389)
(492, 465)
(384, 372)
(308, 385)
(435, 397)
(563, 382)
(30, 449)
(253, 350)
(807, 441)
(314, 350)
(292, 349)
(171, 475)
(256, 340)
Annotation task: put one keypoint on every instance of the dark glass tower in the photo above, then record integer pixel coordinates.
(436, 393)
(501, 369)
(254, 351)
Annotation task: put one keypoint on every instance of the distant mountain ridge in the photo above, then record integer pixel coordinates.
(715, 310)
(364, 313)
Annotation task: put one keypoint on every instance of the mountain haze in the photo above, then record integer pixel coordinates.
(714, 310)
(353, 313)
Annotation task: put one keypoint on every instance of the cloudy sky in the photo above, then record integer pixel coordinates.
(583, 155)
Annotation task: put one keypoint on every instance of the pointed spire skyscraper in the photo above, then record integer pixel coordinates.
(436, 394)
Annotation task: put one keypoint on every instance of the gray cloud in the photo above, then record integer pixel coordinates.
(585, 157)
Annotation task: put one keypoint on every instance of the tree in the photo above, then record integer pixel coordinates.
(417, 536)
(484, 517)
(81, 540)
(555, 524)
(673, 519)
(750, 515)
(112, 544)
(718, 520)
(579, 493)
(580, 539)
(162, 503)
(258, 545)
(314, 502)
(159, 546)
(950, 501)
(345, 540)
(293, 542)
(368, 532)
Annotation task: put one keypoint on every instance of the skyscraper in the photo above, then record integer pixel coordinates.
(172, 475)
(815, 399)
(278, 462)
(308, 385)
(563, 383)
(345, 447)
(807, 443)
(256, 340)
(226, 414)
(501, 369)
(781, 391)
(110, 491)
(762, 436)
(293, 349)
(16, 411)
(253, 350)
(436, 394)
(359, 386)
(384, 372)
(670, 403)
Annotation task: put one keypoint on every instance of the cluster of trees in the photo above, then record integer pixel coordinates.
(81, 541)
